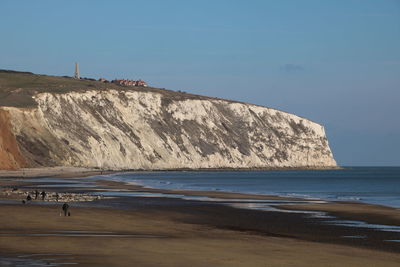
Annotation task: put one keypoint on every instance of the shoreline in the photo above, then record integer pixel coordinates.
(59, 172)
(70, 172)
(160, 225)
(353, 210)
(78, 172)
(270, 196)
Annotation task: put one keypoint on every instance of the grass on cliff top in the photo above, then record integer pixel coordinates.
(17, 88)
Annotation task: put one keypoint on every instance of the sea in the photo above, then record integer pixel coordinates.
(375, 185)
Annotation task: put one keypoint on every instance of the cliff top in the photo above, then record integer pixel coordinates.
(17, 88)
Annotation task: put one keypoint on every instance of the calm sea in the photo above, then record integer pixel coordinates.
(378, 185)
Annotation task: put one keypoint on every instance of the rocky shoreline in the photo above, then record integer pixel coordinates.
(50, 196)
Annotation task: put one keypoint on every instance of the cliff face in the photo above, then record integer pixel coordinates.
(10, 156)
(148, 130)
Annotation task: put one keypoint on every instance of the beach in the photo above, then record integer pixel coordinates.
(200, 133)
(171, 231)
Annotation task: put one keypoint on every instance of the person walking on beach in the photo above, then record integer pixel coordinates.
(43, 194)
(28, 199)
(65, 208)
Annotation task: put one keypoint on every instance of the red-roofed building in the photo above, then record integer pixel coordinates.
(130, 82)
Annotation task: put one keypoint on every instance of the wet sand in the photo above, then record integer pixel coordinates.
(355, 211)
(156, 238)
(158, 231)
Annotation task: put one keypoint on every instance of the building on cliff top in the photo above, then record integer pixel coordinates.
(130, 82)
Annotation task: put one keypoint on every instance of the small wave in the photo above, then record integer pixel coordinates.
(349, 198)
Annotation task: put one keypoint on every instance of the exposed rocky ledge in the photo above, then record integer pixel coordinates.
(22, 194)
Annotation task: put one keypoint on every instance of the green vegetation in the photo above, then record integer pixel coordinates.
(17, 88)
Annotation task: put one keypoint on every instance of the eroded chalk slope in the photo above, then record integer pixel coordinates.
(148, 130)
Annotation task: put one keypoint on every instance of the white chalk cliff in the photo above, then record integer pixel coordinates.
(149, 130)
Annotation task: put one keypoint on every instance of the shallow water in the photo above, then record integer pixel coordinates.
(376, 185)
(361, 224)
(355, 236)
(265, 205)
(29, 260)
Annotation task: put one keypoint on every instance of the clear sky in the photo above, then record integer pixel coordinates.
(334, 62)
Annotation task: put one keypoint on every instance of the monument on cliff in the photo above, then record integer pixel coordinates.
(77, 76)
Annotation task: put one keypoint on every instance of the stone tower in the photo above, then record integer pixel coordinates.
(77, 76)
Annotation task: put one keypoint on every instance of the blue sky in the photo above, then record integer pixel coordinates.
(334, 62)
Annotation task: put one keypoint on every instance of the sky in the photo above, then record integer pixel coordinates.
(334, 62)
